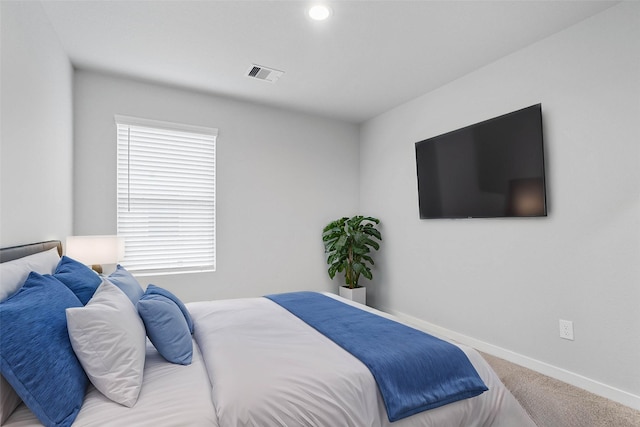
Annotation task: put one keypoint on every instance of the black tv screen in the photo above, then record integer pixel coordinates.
(490, 169)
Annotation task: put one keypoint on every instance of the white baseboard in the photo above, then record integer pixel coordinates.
(596, 387)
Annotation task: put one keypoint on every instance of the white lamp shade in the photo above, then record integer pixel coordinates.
(95, 249)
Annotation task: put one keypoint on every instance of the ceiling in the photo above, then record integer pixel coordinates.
(367, 58)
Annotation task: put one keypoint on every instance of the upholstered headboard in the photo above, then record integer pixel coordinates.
(15, 252)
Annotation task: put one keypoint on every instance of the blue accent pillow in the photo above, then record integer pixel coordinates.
(36, 356)
(166, 327)
(157, 290)
(127, 283)
(82, 280)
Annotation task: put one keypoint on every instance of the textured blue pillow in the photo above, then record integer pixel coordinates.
(127, 283)
(157, 290)
(166, 327)
(36, 356)
(82, 280)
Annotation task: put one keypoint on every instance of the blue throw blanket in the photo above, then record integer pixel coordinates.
(414, 371)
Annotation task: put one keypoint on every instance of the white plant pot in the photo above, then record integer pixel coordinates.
(356, 294)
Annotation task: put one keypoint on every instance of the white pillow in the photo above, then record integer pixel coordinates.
(109, 339)
(14, 273)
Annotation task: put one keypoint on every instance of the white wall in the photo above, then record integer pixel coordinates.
(36, 128)
(507, 282)
(281, 177)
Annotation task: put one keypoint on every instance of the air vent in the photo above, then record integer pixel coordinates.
(263, 73)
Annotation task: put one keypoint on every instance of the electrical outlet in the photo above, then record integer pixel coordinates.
(566, 329)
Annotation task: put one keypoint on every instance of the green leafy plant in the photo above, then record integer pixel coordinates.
(348, 243)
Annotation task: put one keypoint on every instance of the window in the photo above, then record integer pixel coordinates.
(166, 196)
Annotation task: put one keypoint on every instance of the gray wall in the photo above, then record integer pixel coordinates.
(281, 176)
(36, 128)
(507, 282)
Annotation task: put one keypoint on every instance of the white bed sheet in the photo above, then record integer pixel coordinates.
(171, 395)
(269, 368)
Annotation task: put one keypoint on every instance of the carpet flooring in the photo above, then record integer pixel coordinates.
(553, 403)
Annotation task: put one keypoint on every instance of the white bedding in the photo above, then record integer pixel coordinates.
(171, 395)
(268, 368)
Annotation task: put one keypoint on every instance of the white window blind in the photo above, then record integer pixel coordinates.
(166, 195)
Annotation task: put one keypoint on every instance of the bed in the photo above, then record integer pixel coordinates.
(253, 363)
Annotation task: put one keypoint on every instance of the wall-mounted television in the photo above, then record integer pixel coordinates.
(491, 169)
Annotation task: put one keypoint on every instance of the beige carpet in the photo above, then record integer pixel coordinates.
(552, 403)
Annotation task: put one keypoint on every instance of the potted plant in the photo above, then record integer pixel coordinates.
(348, 243)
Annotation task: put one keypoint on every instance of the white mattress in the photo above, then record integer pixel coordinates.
(268, 368)
(171, 395)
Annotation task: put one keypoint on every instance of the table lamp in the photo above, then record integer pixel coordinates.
(95, 250)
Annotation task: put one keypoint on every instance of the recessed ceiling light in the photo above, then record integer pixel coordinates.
(319, 12)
